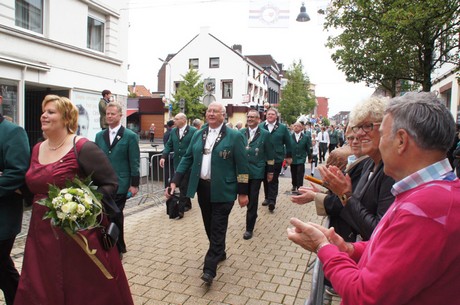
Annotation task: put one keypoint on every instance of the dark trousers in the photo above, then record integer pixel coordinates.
(332, 147)
(297, 173)
(9, 276)
(215, 218)
(120, 200)
(322, 151)
(271, 189)
(152, 137)
(183, 200)
(251, 214)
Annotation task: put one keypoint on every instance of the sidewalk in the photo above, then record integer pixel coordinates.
(165, 257)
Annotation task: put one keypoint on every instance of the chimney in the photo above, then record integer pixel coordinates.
(238, 48)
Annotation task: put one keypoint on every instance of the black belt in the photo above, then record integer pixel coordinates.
(205, 180)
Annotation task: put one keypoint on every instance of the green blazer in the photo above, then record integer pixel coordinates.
(300, 149)
(260, 153)
(178, 145)
(280, 138)
(124, 155)
(14, 162)
(333, 137)
(229, 165)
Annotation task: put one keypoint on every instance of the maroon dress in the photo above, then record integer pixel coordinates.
(56, 270)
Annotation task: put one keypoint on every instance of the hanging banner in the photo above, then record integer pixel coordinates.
(269, 13)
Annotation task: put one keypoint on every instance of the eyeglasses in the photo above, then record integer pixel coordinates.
(368, 127)
(351, 138)
(213, 111)
(251, 116)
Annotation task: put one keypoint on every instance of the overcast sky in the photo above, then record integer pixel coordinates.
(161, 27)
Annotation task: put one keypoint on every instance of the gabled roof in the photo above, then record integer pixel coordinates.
(139, 90)
(264, 61)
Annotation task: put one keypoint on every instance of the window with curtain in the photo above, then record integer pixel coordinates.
(29, 15)
(95, 39)
(227, 89)
(193, 63)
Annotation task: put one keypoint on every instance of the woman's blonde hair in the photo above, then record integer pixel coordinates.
(66, 108)
(372, 108)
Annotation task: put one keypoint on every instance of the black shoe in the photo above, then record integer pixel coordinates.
(247, 235)
(207, 278)
(265, 203)
(186, 209)
(271, 206)
(293, 189)
(181, 215)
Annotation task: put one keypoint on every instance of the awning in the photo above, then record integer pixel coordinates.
(130, 111)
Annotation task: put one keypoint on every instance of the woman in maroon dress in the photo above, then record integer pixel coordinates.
(56, 270)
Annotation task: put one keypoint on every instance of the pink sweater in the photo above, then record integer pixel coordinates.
(413, 256)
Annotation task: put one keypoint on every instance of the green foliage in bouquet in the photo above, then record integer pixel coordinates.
(74, 207)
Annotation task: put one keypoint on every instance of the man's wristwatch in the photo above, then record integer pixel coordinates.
(344, 198)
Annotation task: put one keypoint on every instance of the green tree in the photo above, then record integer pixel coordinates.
(297, 98)
(191, 91)
(389, 42)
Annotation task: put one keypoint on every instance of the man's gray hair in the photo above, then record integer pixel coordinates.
(425, 118)
(274, 110)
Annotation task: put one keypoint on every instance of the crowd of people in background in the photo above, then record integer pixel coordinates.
(379, 175)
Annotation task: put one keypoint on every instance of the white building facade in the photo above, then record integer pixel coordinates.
(229, 76)
(446, 82)
(72, 48)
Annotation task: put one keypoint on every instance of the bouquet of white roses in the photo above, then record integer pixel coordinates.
(75, 207)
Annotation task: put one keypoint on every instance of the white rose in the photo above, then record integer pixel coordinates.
(64, 191)
(60, 215)
(68, 197)
(81, 209)
(65, 208)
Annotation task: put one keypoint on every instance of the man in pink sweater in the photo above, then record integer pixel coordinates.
(413, 256)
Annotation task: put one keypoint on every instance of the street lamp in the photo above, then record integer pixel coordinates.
(303, 16)
(169, 86)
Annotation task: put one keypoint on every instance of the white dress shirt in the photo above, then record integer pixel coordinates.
(206, 162)
(113, 132)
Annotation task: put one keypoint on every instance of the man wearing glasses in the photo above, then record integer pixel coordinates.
(260, 153)
(219, 173)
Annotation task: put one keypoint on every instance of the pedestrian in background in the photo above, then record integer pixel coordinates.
(121, 146)
(323, 139)
(152, 132)
(197, 124)
(14, 162)
(168, 167)
(260, 153)
(301, 145)
(179, 141)
(216, 158)
(106, 98)
(280, 137)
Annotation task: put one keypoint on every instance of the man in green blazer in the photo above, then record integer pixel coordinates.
(178, 142)
(280, 138)
(14, 162)
(301, 145)
(260, 153)
(121, 146)
(219, 172)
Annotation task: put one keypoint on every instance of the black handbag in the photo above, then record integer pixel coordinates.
(110, 236)
(172, 207)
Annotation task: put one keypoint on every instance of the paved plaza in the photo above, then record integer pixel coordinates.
(165, 257)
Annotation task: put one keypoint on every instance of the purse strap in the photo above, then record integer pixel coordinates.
(77, 155)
